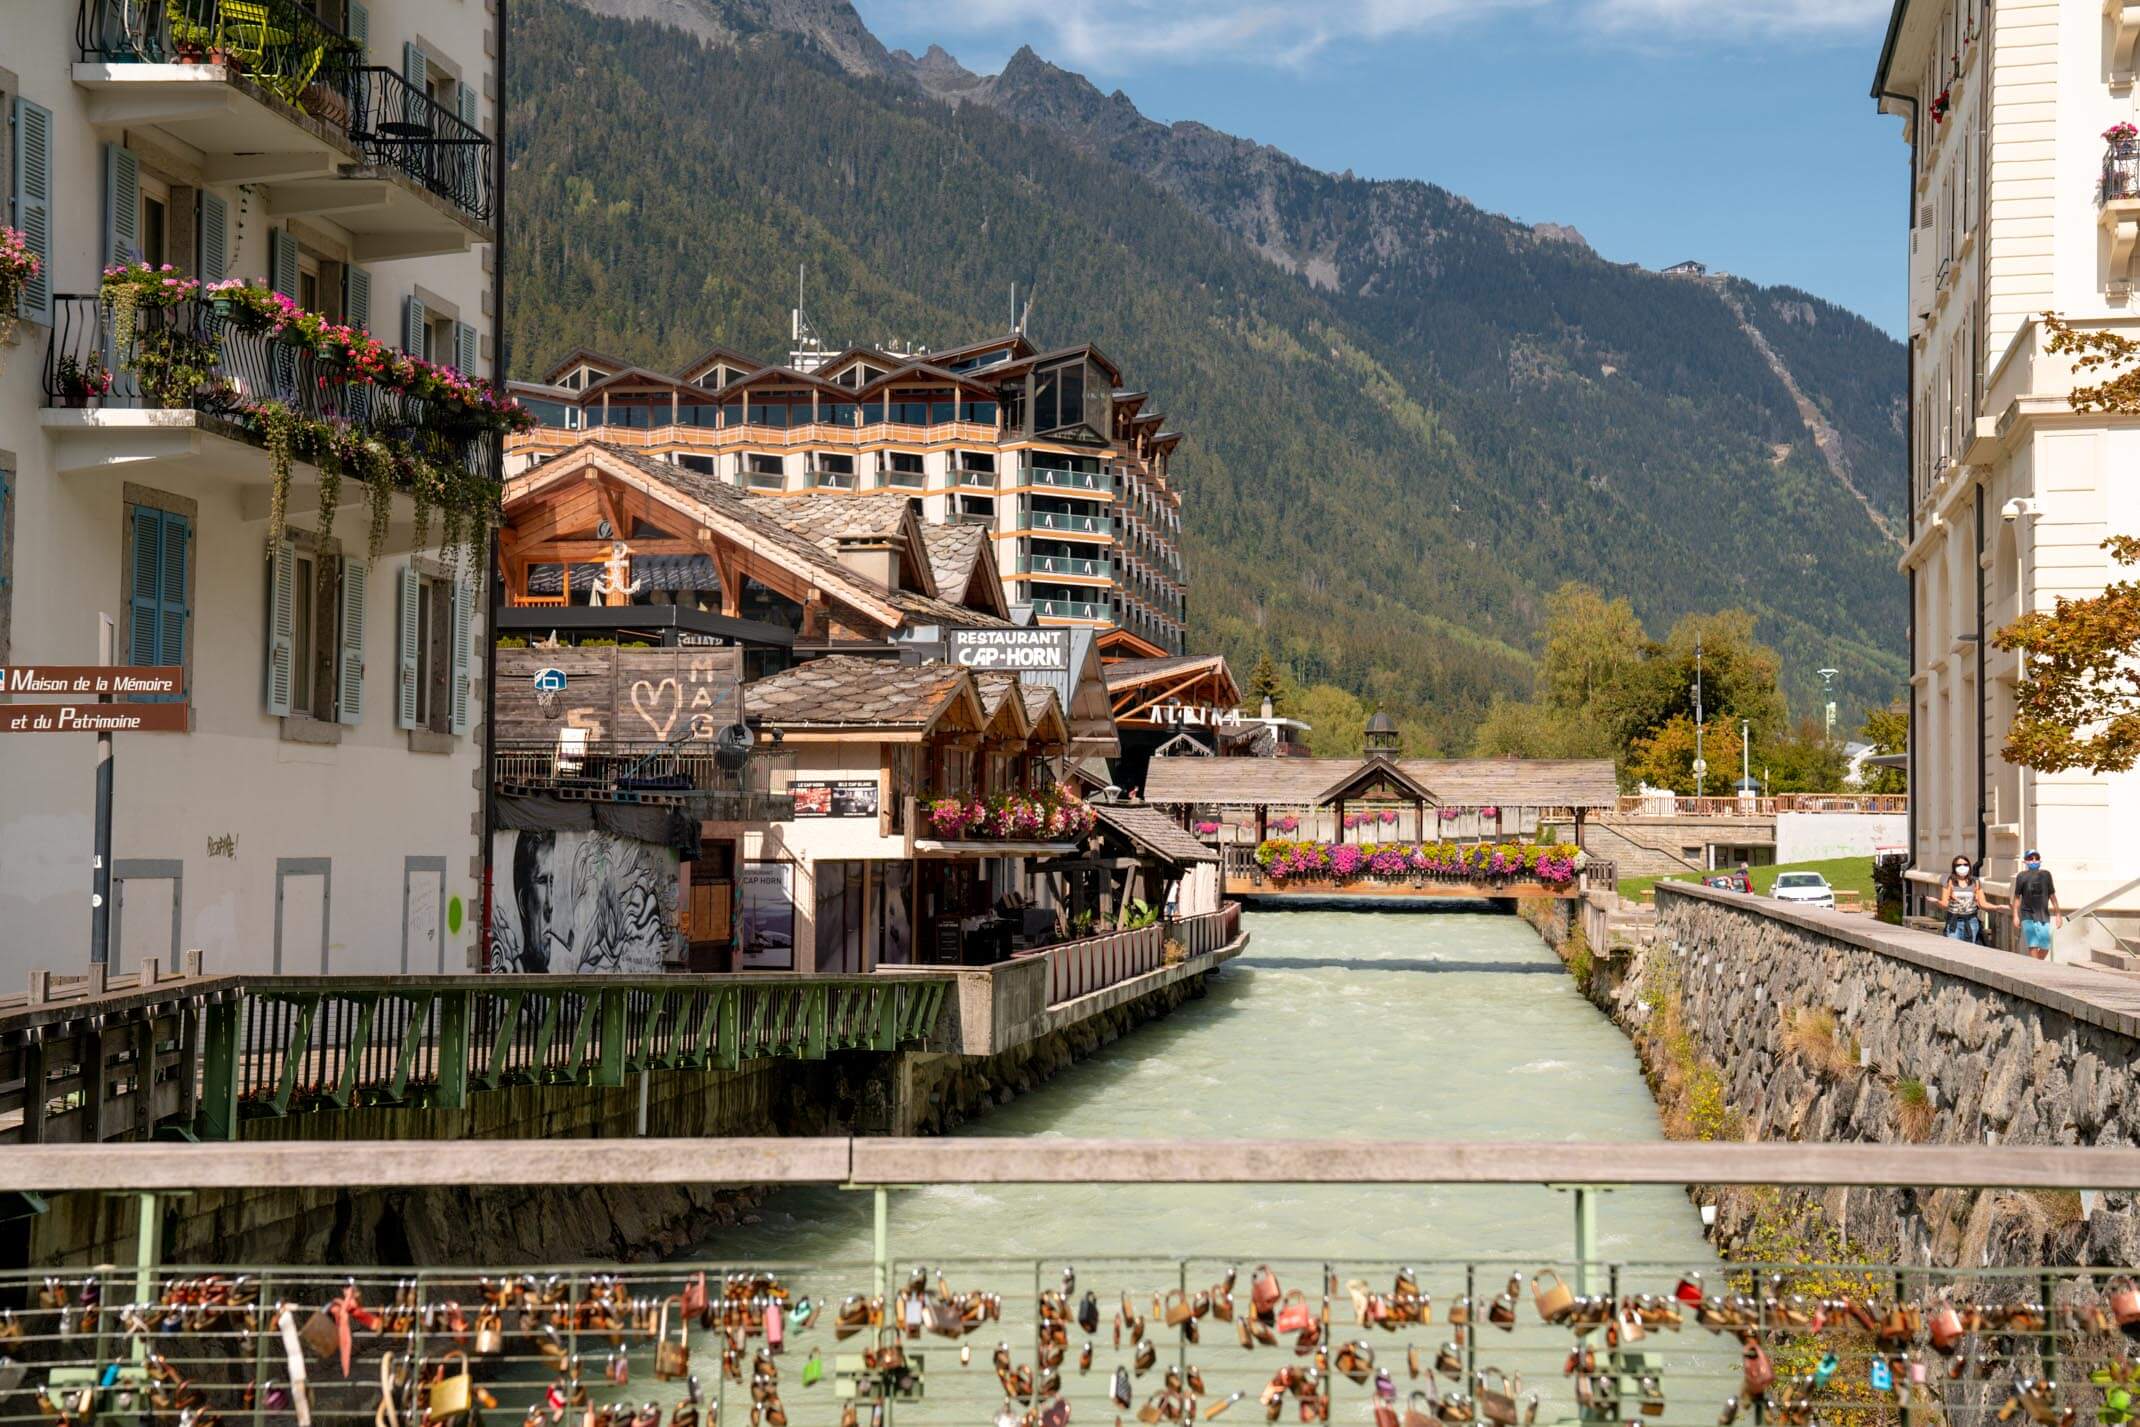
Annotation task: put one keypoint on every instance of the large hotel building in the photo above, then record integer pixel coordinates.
(1047, 452)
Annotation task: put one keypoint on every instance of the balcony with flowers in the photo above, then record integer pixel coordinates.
(1416, 868)
(1051, 819)
(239, 384)
(275, 94)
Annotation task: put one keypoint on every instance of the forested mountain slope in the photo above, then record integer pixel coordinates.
(1395, 447)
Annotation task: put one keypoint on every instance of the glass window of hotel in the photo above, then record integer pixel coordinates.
(778, 410)
(872, 413)
(839, 464)
(759, 464)
(836, 413)
(979, 413)
(155, 229)
(908, 411)
(975, 460)
(906, 463)
(942, 410)
(697, 413)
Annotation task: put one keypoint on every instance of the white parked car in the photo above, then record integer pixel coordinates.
(1808, 889)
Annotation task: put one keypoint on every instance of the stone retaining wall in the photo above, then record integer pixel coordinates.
(1834, 1027)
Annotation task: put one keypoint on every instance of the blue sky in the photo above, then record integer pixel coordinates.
(1662, 129)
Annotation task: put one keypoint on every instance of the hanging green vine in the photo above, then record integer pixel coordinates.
(122, 315)
(279, 424)
(379, 491)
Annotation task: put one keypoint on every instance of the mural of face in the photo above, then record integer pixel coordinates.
(533, 889)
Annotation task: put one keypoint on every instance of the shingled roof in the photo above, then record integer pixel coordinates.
(1455, 782)
(953, 552)
(843, 691)
(1151, 831)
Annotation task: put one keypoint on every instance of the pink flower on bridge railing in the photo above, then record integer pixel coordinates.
(1552, 866)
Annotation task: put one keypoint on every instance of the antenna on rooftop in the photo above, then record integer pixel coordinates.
(808, 353)
(1026, 314)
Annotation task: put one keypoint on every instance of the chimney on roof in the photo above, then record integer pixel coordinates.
(874, 557)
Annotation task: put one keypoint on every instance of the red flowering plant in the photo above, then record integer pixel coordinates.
(19, 267)
(1941, 106)
(1497, 864)
(2120, 134)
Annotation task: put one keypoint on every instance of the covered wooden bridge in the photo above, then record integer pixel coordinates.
(1381, 826)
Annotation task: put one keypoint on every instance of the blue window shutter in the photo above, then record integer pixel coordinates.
(122, 206)
(460, 640)
(360, 28)
(282, 627)
(33, 203)
(144, 631)
(414, 321)
(465, 349)
(416, 69)
(357, 297)
(349, 670)
(172, 612)
(467, 100)
(214, 264)
(282, 262)
(405, 650)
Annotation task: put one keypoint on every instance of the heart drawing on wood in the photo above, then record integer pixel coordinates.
(659, 704)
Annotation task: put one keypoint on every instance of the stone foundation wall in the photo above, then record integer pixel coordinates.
(1810, 1025)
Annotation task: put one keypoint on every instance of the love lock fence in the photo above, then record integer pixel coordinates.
(1043, 1342)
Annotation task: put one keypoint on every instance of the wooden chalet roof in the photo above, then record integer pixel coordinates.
(702, 501)
(1123, 673)
(1015, 342)
(928, 609)
(1134, 686)
(579, 357)
(912, 371)
(718, 356)
(639, 377)
(1153, 833)
(1455, 782)
(826, 520)
(841, 691)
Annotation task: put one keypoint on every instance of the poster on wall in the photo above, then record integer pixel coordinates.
(583, 903)
(765, 935)
(846, 799)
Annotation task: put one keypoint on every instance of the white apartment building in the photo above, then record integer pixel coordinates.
(323, 809)
(2020, 205)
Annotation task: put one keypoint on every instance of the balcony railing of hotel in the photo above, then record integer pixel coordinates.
(1088, 482)
(1065, 523)
(765, 480)
(973, 478)
(823, 478)
(2121, 171)
(240, 367)
(286, 50)
(1073, 565)
(903, 480)
(1072, 609)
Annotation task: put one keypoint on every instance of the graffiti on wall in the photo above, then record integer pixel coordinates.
(579, 903)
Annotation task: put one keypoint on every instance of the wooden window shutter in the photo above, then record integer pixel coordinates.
(414, 319)
(122, 206)
(464, 349)
(282, 262)
(360, 27)
(405, 648)
(144, 632)
(214, 263)
(349, 669)
(461, 644)
(282, 626)
(33, 203)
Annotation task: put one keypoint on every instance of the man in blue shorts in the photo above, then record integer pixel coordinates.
(2035, 903)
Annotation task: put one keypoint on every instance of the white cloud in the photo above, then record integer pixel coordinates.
(1115, 35)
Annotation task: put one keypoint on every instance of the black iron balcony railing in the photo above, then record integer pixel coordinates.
(282, 46)
(612, 768)
(237, 367)
(396, 125)
(2121, 171)
(287, 50)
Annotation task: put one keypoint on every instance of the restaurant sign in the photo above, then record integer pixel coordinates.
(1011, 650)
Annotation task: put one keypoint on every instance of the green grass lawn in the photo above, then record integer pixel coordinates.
(1843, 873)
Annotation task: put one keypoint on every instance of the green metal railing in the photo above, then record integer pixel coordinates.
(204, 1055)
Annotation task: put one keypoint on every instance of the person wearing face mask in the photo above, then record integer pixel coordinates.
(2035, 905)
(1961, 897)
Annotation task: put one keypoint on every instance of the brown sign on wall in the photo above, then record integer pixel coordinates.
(87, 681)
(93, 718)
(616, 695)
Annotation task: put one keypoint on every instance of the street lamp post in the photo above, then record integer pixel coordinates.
(1827, 698)
(1701, 765)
